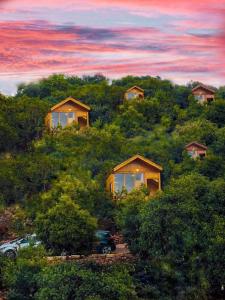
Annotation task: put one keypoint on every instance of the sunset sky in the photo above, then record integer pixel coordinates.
(180, 40)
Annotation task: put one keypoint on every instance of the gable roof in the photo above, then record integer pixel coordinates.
(147, 161)
(135, 87)
(196, 144)
(204, 87)
(72, 100)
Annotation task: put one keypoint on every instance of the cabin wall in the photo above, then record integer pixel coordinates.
(110, 183)
(48, 120)
(140, 167)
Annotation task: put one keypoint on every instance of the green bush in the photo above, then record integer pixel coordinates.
(20, 276)
(68, 281)
(67, 227)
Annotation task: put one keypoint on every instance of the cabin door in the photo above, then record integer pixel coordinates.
(82, 122)
(152, 186)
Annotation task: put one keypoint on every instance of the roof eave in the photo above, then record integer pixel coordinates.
(135, 87)
(147, 161)
(204, 87)
(74, 101)
(197, 144)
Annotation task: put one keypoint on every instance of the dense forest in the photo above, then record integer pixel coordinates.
(53, 183)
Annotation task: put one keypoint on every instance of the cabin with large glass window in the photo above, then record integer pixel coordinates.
(133, 173)
(196, 150)
(134, 93)
(67, 112)
(203, 93)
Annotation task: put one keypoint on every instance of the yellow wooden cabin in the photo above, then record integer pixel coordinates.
(134, 172)
(134, 92)
(67, 112)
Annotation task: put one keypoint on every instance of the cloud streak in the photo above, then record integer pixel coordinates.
(179, 39)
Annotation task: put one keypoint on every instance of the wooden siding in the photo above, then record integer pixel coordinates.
(152, 176)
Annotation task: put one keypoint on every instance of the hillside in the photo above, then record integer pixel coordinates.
(60, 176)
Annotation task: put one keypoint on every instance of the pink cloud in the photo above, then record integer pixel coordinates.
(28, 45)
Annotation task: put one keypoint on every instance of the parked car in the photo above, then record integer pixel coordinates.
(104, 242)
(10, 249)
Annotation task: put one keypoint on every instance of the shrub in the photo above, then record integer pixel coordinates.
(67, 227)
(68, 281)
(20, 275)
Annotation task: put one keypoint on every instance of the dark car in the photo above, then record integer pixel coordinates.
(104, 242)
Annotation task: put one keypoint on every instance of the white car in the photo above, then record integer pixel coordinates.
(10, 249)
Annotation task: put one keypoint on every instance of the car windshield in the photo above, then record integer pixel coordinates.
(102, 234)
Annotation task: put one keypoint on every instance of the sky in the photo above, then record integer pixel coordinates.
(178, 40)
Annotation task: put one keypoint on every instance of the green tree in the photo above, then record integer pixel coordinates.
(181, 236)
(215, 112)
(67, 227)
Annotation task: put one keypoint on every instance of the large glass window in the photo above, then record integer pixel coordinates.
(128, 181)
(55, 119)
(131, 96)
(63, 119)
(199, 97)
(119, 182)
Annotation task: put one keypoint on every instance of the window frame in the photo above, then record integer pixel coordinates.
(124, 181)
(59, 118)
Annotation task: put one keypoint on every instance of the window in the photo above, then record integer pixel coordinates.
(131, 96)
(128, 181)
(199, 97)
(191, 153)
(62, 118)
(119, 182)
(55, 119)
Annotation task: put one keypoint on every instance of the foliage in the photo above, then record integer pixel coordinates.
(68, 281)
(21, 121)
(20, 275)
(56, 181)
(67, 227)
(181, 235)
(128, 218)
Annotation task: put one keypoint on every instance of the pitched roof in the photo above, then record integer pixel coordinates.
(204, 87)
(147, 161)
(197, 144)
(74, 101)
(135, 87)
